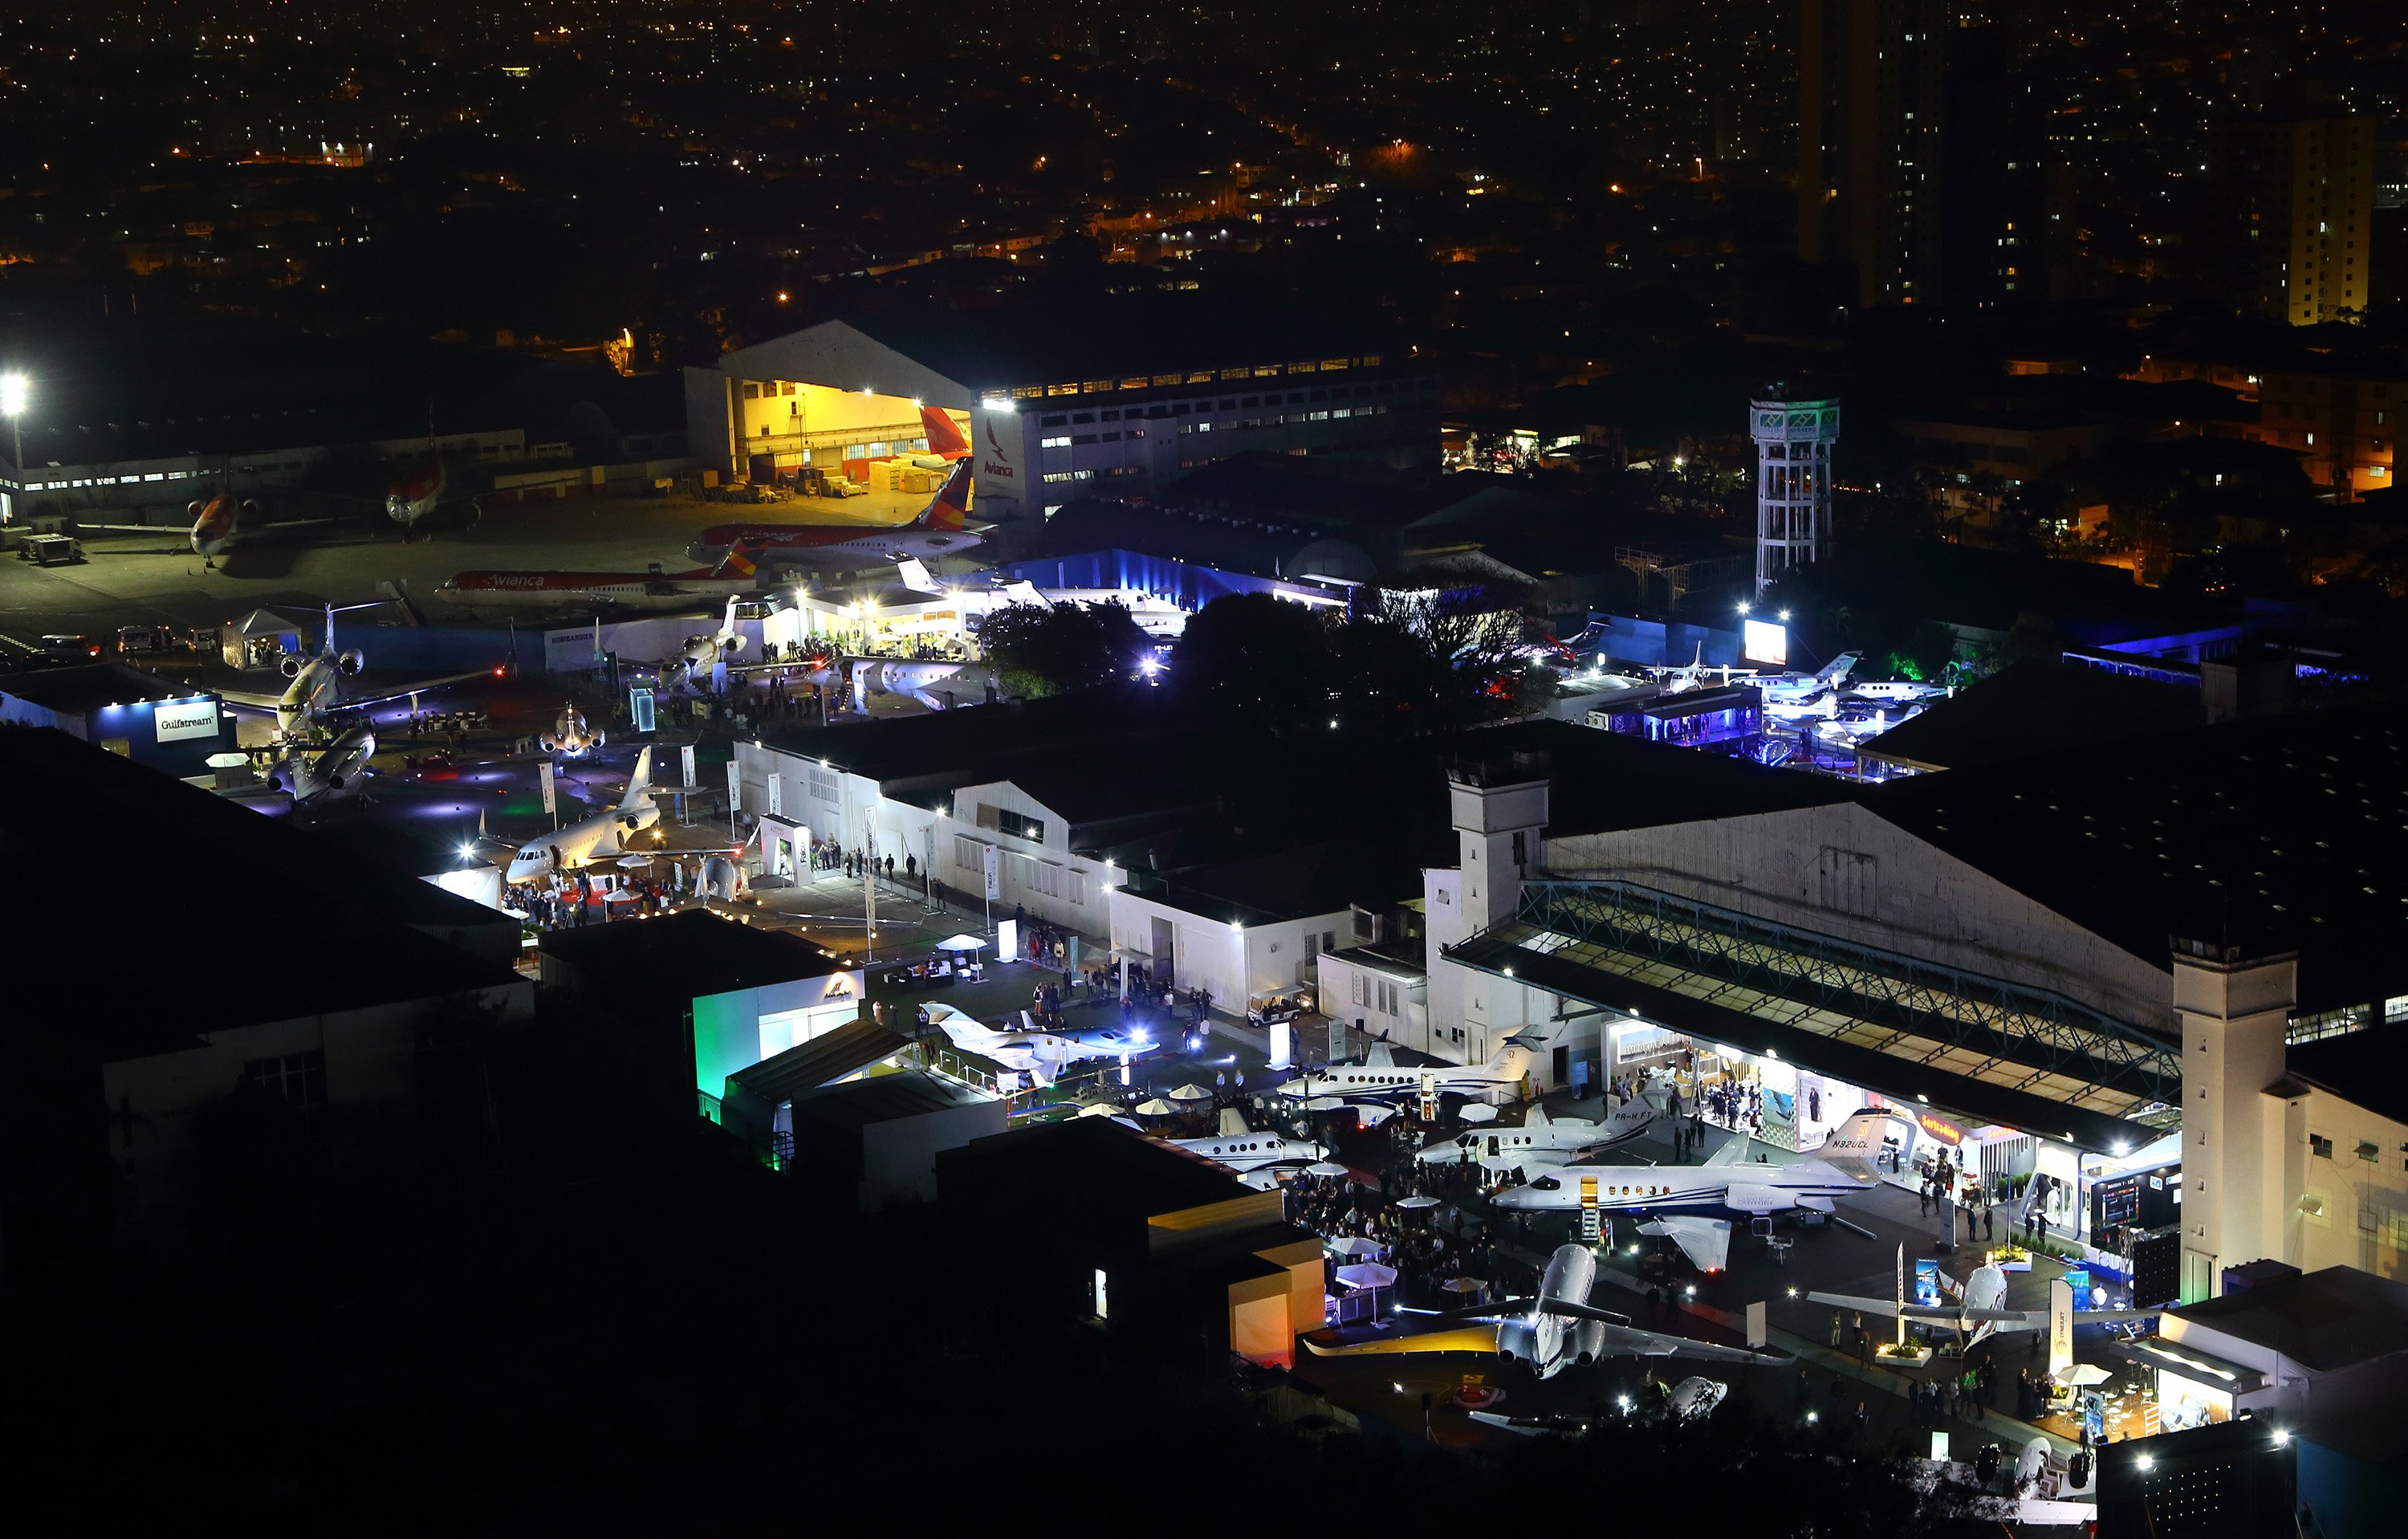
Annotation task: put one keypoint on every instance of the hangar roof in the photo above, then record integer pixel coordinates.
(2287, 834)
(87, 686)
(2034, 707)
(671, 961)
(2325, 1320)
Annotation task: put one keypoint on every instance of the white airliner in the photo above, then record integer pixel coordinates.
(1978, 1311)
(1382, 1079)
(1691, 1203)
(313, 774)
(1558, 1328)
(1040, 1054)
(1542, 1141)
(605, 836)
(1241, 1148)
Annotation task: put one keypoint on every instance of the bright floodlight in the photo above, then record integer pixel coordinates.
(13, 394)
(1743, 609)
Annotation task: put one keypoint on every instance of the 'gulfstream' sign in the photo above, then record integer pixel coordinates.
(186, 719)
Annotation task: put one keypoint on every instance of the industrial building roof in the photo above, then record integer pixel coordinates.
(668, 963)
(884, 1098)
(2037, 706)
(1606, 782)
(950, 746)
(1375, 872)
(2323, 1320)
(1094, 1166)
(2290, 834)
(822, 1061)
(87, 686)
(1037, 343)
(279, 926)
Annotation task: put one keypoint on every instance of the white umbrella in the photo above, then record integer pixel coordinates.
(1326, 1168)
(622, 895)
(2082, 1373)
(961, 942)
(1156, 1107)
(1419, 1201)
(1101, 1108)
(1367, 1275)
(1191, 1092)
(1463, 1285)
(1354, 1244)
(1477, 1111)
(629, 862)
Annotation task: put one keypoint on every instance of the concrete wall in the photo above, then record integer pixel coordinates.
(730, 1032)
(2364, 1202)
(1353, 992)
(1230, 961)
(898, 1159)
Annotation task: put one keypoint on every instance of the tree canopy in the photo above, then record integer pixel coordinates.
(1050, 649)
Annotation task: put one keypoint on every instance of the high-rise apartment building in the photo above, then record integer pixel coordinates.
(2295, 203)
(1872, 84)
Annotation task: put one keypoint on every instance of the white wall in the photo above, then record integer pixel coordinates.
(1357, 994)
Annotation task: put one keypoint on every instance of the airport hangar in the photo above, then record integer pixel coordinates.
(2166, 974)
(1058, 405)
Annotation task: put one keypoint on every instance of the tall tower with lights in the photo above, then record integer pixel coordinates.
(1793, 482)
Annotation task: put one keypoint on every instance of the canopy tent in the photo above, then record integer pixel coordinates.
(235, 638)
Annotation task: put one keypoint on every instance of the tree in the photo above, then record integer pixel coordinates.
(1039, 650)
(1257, 659)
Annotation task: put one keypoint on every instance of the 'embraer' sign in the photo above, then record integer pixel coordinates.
(186, 719)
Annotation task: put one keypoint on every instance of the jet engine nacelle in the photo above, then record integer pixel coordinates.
(350, 662)
(192, 509)
(293, 665)
(733, 644)
(251, 507)
(1517, 1340)
(1591, 1341)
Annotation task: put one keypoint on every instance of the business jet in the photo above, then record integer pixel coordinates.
(1897, 691)
(1799, 688)
(1695, 674)
(1978, 1311)
(1039, 1055)
(1243, 1149)
(1542, 1141)
(316, 774)
(694, 658)
(1557, 1330)
(320, 687)
(605, 836)
(1381, 1079)
(569, 736)
(219, 523)
(1692, 1204)
(740, 571)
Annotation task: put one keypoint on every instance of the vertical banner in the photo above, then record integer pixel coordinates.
(735, 786)
(550, 803)
(777, 797)
(1757, 1336)
(639, 709)
(1898, 1297)
(685, 758)
(991, 867)
(2061, 1328)
(1337, 1041)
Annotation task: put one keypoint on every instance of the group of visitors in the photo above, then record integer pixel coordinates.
(1960, 1396)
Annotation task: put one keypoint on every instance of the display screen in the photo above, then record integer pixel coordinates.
(1765, 641)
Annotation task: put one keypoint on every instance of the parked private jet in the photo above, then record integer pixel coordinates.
(1978, 1311)
(320, 687)
(1241, 1148)
(1558, 1328)
(339, 768)
(1040, 1054)
(1382, 1079)
(569, 736)
(605, 836)
(1541, 1140)
(1693, 1203)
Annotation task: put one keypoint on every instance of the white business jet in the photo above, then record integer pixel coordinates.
(1558, 1328)
(1040, 1054)
(1382, 1079)
(320, 687)
(1541, 1141)
(1692, 1204)
(1243, 1149)
(605, 836)
(700, 652)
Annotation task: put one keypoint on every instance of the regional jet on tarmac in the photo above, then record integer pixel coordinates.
(221, 522)
(341, 768)
(1241, 1148)
(602, 836)
(320, 687)
(735, 573)
(1559, 1328)
(1692, 1203)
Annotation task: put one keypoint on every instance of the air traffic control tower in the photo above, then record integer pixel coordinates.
(1793, 482)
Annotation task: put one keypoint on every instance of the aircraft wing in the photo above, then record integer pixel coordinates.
(1733, 1151)
(182, 531)
(253, 698)
(1362, 1343)
(1631, 1340)
(417, 687)
(1583, 1311)
(1889, 1309)
(1706, 1242)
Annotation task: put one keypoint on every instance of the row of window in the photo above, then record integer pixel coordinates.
(1230, 403)
(1249, 422)
(1196, 376)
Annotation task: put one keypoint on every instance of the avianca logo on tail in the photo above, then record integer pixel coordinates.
(943, 437)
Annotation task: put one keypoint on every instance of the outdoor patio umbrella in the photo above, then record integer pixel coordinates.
(2082, 1373)
(1354, 1244)
(1464, 1285)
(629, 862)
(1477, 1111)
(1191, 1092)
(1326, 1168)
(1156, 1107)
(1420, 1200)
(961, 942)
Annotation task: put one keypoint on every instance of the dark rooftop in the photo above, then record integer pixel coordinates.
(2272, 835)
(1094, 1164)
(1606, 782)
(2038, 706)
(668, 963)
(884, 1098)
(808, 1066)
(87, 686)
(2367, 1068)
(1375, 872)
(1035, 342)
(2325, 1320)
